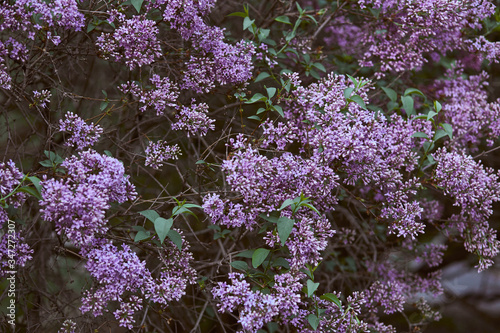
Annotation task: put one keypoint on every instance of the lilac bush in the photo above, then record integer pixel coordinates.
(308, 166)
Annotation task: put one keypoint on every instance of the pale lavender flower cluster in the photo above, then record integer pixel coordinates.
(135, 42)
(194, 119)
(68, 326)
(82, 135)
(41, 98)
(159, 152)
(474, 189)
(163, 93)
(78, 203)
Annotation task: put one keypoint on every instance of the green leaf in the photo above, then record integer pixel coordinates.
(448, 129)
(332, 298)
(36, 181)
(103, 105)
(256, 98)
(285, 226)
(437, 106)
(311, 207)
(313, 321)
(240, 14)
(259, 256)
(319, 66)
(271, 218)
(176, 238)
(247, 22)
(393, 96)
(30, 191)
(137, 4)
(410, 91)
(162, 227)
(263, 34)
(271, 92)
(255, 118)
(283, 19)
(420, 135)
(91, 26)
(46, 163)
(311, 287)
(287, 203)
(201, 162)
(262, 76)
(408, 105)
(279, 109)
(281, 262)
(439, 134)
(348, 92)
(353, 80)
(431, 115)
(358, 100)
(108, 153)
(141, 235)
(150, 214)
(246, 254)
(240, 265)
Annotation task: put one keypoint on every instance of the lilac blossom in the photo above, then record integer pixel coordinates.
(78, 203)
(159, 152)
(194, 119)
(121, 276)
(42, 98)
(162, 94)
(135, 42)
(10, 179)
(82, 135)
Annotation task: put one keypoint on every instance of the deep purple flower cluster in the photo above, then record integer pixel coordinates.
(78, 203)
(82, 135)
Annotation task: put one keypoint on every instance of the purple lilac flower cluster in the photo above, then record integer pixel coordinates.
(78, 203)
(82, 135)
(41, 98)
(121, 276)
(135, 42)
(194, 119)
(163, 93)
(474, 189)
(255, 307)
(12, 244)
(409, 30)
(10, 178)
(159, 152)
(466, 108)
